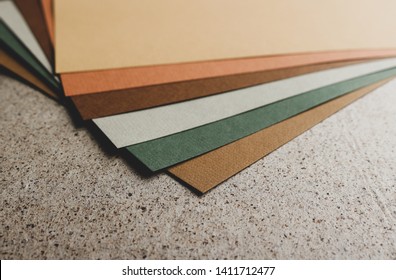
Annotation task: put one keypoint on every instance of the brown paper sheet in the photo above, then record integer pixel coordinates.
(207, 171)
(18, 69)
(34, 16)
(128, 78)
(110, 103)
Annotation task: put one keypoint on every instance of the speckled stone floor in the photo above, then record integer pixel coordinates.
(328, 194)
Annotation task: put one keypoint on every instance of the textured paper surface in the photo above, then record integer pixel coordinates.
(167, 151)
(18, 69)
(33, 14)
(127, 78)
(13, 18)
(9, 41)
(111, 103)
(137, 127)
(207, 171)
(125, 33)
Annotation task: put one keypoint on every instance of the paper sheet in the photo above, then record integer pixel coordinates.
(111, 103)
(207, 171)
(164, 152)
(47, 9)
(33, 15)
(129, 33)
(128, 78)
(8, 62)
(137, 127)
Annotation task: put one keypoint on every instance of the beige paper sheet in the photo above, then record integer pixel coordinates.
(92, 35)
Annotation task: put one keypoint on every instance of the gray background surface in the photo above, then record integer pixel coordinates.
(328, 194)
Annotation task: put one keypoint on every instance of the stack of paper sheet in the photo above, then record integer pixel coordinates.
(200, 89)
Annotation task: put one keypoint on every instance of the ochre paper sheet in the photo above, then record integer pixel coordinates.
(207, 171)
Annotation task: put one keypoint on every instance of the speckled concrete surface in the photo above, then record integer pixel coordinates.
(329, 194)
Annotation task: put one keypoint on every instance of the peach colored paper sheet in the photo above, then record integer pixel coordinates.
(110, 34)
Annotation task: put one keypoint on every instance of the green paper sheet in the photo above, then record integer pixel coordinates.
(13, 45)
(167, 151)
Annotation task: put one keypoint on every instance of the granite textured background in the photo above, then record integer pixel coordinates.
(328, 194)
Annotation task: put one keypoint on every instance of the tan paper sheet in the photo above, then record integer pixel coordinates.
(207, 171)
(92, 35)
